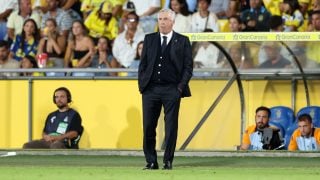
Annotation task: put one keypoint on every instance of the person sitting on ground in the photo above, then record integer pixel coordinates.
(305, 137)
(261, 136)
(62, 127)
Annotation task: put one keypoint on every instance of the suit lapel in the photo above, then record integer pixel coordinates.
(155, 45)
(174, 44)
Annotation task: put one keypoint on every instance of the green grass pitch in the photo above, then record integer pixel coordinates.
(82, 167)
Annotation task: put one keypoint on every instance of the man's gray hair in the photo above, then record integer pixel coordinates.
(172, 13)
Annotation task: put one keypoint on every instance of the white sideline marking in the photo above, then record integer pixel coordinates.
(9, 154)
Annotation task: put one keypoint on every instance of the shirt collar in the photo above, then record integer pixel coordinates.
(169, 36)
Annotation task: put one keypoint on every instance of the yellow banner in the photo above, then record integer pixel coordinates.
(255, 36)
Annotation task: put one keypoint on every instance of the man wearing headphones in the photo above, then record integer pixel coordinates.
(62, 128)
(305, 137)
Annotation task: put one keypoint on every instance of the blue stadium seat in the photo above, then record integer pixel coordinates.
(313, 111)
(289, 132)
(282, 115)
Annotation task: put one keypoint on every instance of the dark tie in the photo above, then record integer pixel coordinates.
(164, 43)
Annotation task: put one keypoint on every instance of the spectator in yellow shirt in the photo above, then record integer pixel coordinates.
(102, 23)
(88, 6)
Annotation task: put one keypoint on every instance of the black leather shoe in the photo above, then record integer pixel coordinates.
(151, 166)
(167, 166)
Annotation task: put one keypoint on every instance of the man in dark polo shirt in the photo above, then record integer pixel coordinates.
(62, 128)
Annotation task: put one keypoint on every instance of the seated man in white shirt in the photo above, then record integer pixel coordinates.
(262, 136)
(305, 137)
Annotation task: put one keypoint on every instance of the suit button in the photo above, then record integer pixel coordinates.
(158, 72)
(159, 65)
(160, 57)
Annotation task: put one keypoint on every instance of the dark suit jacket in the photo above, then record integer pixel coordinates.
(180, 54)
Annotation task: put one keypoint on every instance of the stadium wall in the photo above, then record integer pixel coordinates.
(111, 111)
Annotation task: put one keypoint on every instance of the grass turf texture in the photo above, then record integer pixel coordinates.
(81, 167)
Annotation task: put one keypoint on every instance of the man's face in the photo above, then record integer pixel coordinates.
(255, 3)
(203, 5)
(271, 52)
(52, 5)
(305, 128)
(262, 119)
(315, 19)
(304, 7)
(132, 21)
(25, 6)
(165, 22)
(4, 53)
(61, 99)
(235, 53)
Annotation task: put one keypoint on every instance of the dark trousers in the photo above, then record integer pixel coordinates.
(42, 144)
(154, 97)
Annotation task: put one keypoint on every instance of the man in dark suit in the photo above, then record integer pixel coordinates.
(164, 72)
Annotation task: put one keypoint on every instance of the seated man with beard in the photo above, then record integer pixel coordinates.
(62, 128)
(261, 136)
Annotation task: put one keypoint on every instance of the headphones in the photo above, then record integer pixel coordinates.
(66, 91)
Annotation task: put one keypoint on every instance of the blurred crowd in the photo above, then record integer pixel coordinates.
(110, 33)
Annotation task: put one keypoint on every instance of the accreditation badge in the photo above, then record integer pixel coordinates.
(62, 128)
(260, 18)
